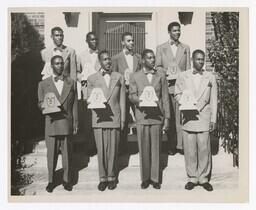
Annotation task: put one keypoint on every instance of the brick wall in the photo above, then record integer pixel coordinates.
(37, 20)
(208, 36)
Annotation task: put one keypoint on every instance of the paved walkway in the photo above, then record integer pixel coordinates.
(224, 176)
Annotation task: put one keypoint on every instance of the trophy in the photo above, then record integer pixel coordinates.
(51, 104)
(187, 101)
(127, 74)
(172, 71)
(97, 99)
(148, 97)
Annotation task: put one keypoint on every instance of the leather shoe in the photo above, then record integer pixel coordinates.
(156, 185)
(170, 152)
(67, 186)
(49, 188)
(145, 184)
(102, 186)
(190, 186)
(207, 186)
(111, 185)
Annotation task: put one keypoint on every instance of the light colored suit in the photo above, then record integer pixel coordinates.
(149, 122)
(106, 122)
(59, 126)
(69, 57)
(196, 126)
(164, 59)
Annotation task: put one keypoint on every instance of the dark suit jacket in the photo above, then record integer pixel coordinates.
(61, 123)
(119, 63)
(69, 57)
(114, 113)
(150, 115)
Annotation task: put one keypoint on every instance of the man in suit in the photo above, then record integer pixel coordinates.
(150, 120)
(87, 64)
(59, 126)
(173, 57)
(197, 124)
(106, 122)
(68, 54)
(126, 62)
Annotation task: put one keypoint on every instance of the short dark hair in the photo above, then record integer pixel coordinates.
(198, 51)
(126, 34)
(145, 52)
(57, 28)
(102, 52)
(89, 34)
(55, 57)
(172, 24)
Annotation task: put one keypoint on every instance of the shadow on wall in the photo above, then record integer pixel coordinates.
(27, 123)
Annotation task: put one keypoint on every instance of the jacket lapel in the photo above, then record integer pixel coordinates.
(112, 84)
(101, 80)
(168, 52)
(203, 84)
(155, 79)
(190, 83)
(65, 53)
(179, 53)
(123, 60)
(65, 91)
(52, 87)
(135, 62)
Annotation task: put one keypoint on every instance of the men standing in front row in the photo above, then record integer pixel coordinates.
(173, 57)
(61, 125)
(150, 120)
(67, 53)
(197, 123)
(106, 122)
(126, 62)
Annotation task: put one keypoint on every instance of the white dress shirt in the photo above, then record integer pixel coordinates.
(196, 80)
(129, 60)
(107, 79)
(174, 48)
(59, 84)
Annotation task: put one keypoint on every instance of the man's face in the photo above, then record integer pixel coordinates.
(198, 61)
(175, 33)
(105, 61)
(57, 38)
(92, 42)
(58, 66)
(149, 60)
(128, 42)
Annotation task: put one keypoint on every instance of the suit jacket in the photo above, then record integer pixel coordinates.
(150, 115)
(69, 56)
(206, 97)
(119, 63)
(61, 123)
(114, 113)
(164, 57)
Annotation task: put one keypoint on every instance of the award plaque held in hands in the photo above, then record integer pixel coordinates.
(127, 74)
(187, 101)
(172, 71)
(51, 104)
(97, 99)
(148, 97)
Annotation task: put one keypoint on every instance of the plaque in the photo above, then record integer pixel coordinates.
(187, 101)
(51, 104)
(127, 74)
(97, 99)
(148, 97)
(172, 72)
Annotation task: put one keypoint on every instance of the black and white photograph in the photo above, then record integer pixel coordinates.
(128, 104)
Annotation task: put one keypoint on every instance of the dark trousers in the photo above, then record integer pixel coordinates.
(54, 145)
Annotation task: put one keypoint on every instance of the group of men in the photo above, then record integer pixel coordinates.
(123, 80)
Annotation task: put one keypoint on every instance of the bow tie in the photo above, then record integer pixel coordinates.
(197, 72)
(150, 72)
(174, 42)
(129, 52)
(93, 51)
(58, 48)
(57, 78)
(105, 72)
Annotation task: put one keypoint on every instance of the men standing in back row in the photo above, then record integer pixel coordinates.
(173, 57)
(67, 53)
(126, 62)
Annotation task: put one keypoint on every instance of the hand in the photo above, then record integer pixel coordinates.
(166, 125)
(75, 130)
(122, 125)
(212, 126)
